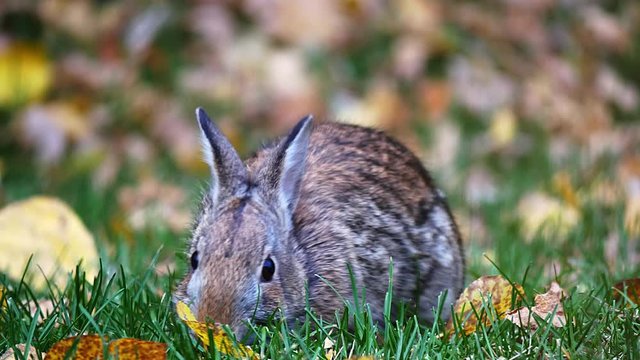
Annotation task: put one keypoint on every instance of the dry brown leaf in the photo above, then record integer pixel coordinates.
(46, 307)
(409, 54)
(11, 355)
(382, 107)
(474, 298)
(605, 28)
(323, 22)
(221, 340)
(328, 344)
(547, 305)
(628, 287)
(93, 347)
(480, 87)
(49, 128)
(79, 17)
(49, 230)
(152, 203)
(480, 186)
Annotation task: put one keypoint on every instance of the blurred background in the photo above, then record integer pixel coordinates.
(525, 111)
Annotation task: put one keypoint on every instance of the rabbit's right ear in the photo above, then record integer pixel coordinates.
(228, 173)
(287, 165)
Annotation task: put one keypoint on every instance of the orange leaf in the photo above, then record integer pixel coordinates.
(476, 295)
(221, 340)
(134, 349)
(86, 347)
(92, 347)
(630, 287)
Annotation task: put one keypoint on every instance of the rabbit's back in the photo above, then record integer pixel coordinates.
(365, 199)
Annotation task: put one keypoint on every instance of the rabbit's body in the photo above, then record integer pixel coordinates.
(315, 202)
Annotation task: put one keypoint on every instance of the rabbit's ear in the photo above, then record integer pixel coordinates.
(288, 164)
(228, 173)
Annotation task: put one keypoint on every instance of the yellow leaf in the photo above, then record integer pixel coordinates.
(184, 312)
(632, 215)
(503, 127)
(540, 212)
(474, 298)
(25, 74)
(221, 340)
(49, 230)
(93, 347)
(562, 184)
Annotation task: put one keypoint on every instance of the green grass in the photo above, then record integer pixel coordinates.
(130, 299)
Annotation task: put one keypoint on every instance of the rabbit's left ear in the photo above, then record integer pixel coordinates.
(228, 173)
(288, 165)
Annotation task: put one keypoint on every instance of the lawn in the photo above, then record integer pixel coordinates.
(533, 135)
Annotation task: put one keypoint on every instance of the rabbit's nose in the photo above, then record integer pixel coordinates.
(218, 309)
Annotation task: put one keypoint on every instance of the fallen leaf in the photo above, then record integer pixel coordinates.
(85, 347)
(480, 187)
(632, 216)
(10, 354)
(25, 74)
(134, 349)
(503, 127)
(541, 213)
(628, 287)
(49, 230)
(327, 345)
(435, 99)
(49, 128)
(152, 203)
(46, 307)
(495, 291)
(323, 22)
(93, 347)
(548, 306)
(478, 86)
(221, 340)
(562, 185)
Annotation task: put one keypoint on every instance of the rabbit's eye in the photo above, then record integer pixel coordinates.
(268, 269)
(194, 260)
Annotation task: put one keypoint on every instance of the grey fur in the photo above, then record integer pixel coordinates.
(362, 199)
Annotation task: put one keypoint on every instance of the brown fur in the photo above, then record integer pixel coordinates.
(363, 199)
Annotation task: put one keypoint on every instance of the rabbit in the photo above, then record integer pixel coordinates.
(279, 231)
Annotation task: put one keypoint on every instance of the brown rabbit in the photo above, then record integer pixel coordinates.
(300, 210)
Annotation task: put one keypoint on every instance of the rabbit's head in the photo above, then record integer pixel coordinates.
(242, 263)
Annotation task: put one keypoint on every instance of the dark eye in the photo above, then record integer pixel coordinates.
(268, 269)
(195, 258)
